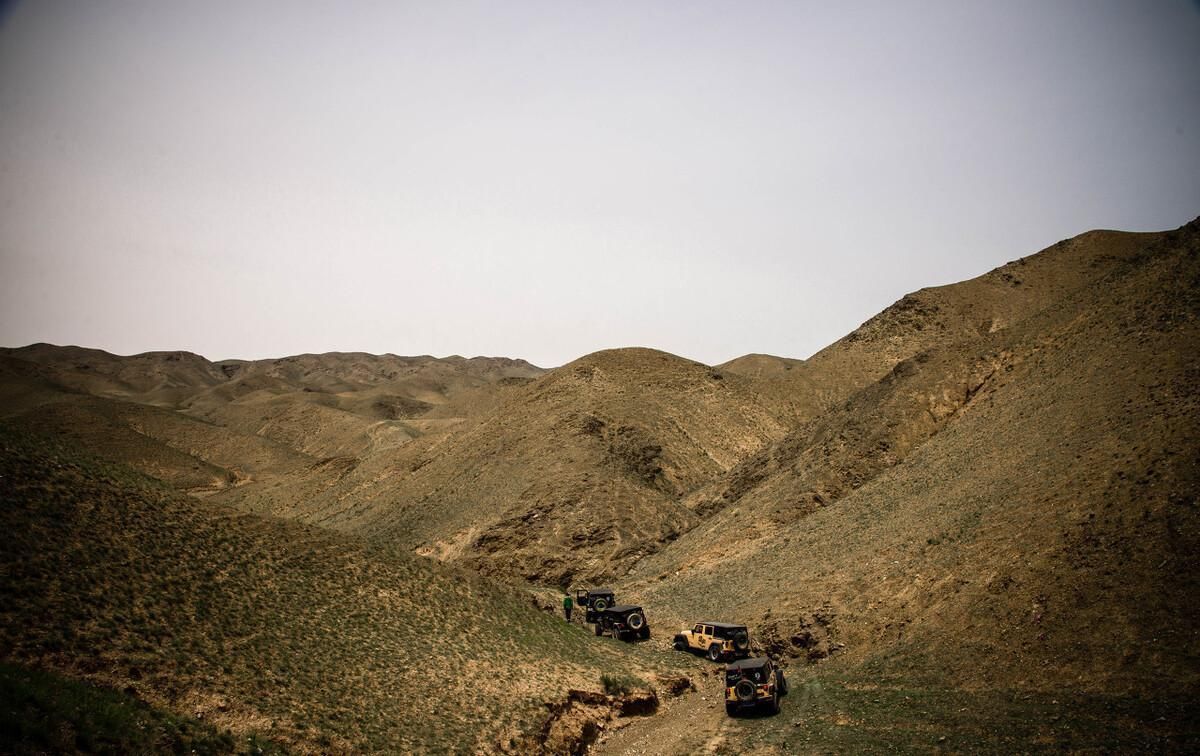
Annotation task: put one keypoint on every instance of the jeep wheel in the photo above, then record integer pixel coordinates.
(644, 633)
(731, 709)
(599, 629)
(781, 682)
(773, 704)
(600, 605)
(714, 652)
(636, 621)
(680, 644)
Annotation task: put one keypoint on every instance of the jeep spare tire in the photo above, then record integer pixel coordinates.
(745, 691)
(635, 621)
(600, 604)
(741, 640)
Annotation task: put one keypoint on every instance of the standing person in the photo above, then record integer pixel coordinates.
(568, 604)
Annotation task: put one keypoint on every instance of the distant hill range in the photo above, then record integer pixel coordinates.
(992, 483)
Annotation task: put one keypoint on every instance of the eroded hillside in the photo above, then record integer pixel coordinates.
(576, 475)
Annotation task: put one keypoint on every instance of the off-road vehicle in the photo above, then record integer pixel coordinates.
(623, 621)
(716, 640)
(594, 600)
(753, 684)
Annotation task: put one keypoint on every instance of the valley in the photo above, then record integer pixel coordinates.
(969, 525)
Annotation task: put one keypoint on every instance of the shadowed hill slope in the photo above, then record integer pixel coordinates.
(313, 640)
(1027, 495)
(159, 378)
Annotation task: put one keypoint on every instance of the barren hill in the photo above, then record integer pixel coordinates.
(578, 473)
(1025, 494)
(159, 378)
(207, 426)
(942, 316)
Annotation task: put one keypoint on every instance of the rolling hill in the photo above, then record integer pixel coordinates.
(265, 631)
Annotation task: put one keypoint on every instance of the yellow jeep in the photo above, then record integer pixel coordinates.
(716, 640)
(753, 684)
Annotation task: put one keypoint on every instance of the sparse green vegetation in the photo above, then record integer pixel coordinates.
(828, 711)
(616, 685)
(43, 712)
(280, 631)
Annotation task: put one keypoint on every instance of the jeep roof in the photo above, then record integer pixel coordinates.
(745, 665)
(596, 590)
(721, 625)
(623, 609)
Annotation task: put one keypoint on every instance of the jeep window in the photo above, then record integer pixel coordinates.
(708, 629)
(698, 630)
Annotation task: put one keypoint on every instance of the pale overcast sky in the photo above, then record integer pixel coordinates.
(542, 180)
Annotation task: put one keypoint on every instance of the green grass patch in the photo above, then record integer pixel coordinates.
(851, 714)
(616, 685)
(329, 638)
(41, 712)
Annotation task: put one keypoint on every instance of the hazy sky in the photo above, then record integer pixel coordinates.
(542, 180)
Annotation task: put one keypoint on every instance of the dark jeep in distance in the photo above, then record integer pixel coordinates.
(594, 600)
(752, 684)
(716, 640)
(623, 621)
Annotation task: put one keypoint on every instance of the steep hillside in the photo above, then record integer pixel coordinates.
(577, 474)
(1027, 495)
(189, 454)
(942, 316)
(291, 634)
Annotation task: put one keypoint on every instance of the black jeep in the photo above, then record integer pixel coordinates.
(594, 600)
(753, 684)
(623, 621)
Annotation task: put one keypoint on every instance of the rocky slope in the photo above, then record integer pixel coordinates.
(1027, 493)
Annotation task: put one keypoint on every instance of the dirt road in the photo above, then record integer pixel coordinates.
(693, 723)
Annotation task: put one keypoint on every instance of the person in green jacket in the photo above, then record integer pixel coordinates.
(568, 604)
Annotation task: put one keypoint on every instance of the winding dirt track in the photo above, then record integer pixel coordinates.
(693, 723)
